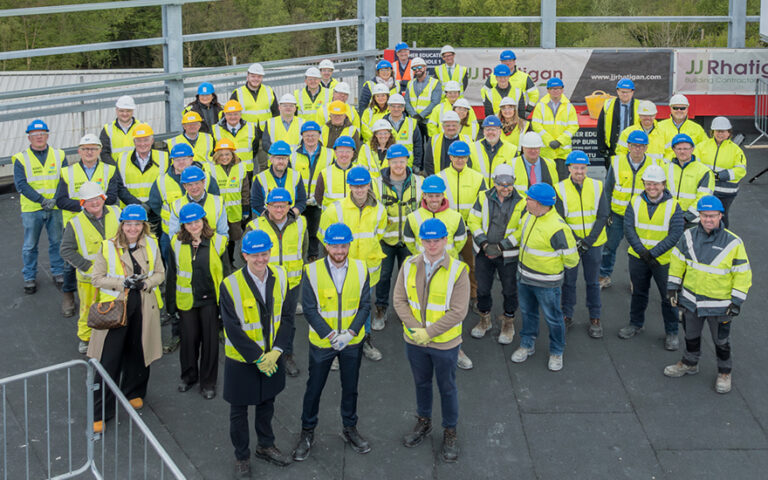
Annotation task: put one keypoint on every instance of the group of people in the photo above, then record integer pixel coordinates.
(325, 199)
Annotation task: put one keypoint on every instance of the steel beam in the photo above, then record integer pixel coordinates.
(173, 63)
(548, 23)
(737, 28)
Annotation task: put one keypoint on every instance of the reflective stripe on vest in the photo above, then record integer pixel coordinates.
(89, 239)
(183, 258)
(258, 109)
(115, 267)
(652, 230)
(287, 247)
(42, 177)
(421, 102)
(137, 182)
(580, 209)
(230, 189)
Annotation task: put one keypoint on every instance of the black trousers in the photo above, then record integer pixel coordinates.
(727, 201)
(238, 427)
(289, 313)
(123, 358)
(312, 215)
(485, 270)
(320, 360)
(200, 342)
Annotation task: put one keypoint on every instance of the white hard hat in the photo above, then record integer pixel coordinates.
(89, 190)
(326, 64)
(508, 101)
(503, 169)
(342, 87)
(90, 139)
(721, 123)
(418, 61)
(288, 98)
(447, 49)
(313, 72)
(679, 99)
(396, 99)
(654, 173)
(531, 140)
(256, 69)
(462, 102)
(646, 107)
(381, 124)
(379, 89)
(450, 116)
(126, 101)
(451, 86)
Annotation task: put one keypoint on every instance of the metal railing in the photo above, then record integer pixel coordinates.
(47, 415)
(761, 109)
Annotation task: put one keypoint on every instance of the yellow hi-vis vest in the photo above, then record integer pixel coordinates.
(137, 182)
(452, 220)
(459, 71)
(120, 141)
(230, 189)
(338, 309)
(183, 257)
(421, 102)
(323, 116)
(44, 178)
(440, 288)
(74, 176)
(684, 183)
(243, 141)
(170, 191)
(404, 135)
(627, 181)
(435, 126)
(257, 109)
(213, 206)
(462, 188)
(399, 207)
(436, 143)
(608, 112)
(580, 207)
(89, 239)
(522, 170)
(115, 267)
(306, 108)
(203, 148)
(479, 222)
(247, 309)
(538, 261)
(268, 183)
(370, 160)
(369, 117)
(655, 142)
(300, 163)
(348, 131)
(286, 246)
(652, 230)
(335, 183)
(277, 131)
(494, 96)
(689, 127)
(479, 161)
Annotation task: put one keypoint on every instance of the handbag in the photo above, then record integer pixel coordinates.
(108, 315)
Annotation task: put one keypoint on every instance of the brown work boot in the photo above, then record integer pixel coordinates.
(605, 282)
(507, 329)
(68, 304)
(482, 326)
(450, 448)
(422, 429)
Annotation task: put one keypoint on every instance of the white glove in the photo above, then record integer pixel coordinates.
(343, 339)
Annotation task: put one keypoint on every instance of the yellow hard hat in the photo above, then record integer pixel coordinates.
(143, 130)
(337, 107)
(232, 106)
(224, 144)
(191, 117)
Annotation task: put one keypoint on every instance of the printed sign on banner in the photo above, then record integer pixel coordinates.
(649, 71)
(719, 71)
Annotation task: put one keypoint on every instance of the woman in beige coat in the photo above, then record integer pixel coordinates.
(129, 268)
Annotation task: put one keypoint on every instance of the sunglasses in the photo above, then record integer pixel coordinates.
(504, 185)
(417, 68)
(679, 108)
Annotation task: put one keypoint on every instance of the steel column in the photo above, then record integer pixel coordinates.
(548, 23)
(366, 37)
(395, 22)
(737, 27)
(173, 62)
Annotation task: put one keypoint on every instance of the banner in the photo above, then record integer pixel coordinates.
(649, 71)
(728, 72)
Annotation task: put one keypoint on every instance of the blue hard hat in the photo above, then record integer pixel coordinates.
(638, 137)
(682, 138)
(337, 234)
(710, 203)
(358, 176)
(192, 174)
(502, 70)
(507, 55)
(396, 151)
(577, 157)
(491, 121)
(345, 141)
(383, 64)
(401, 46)
(433, 229)
(205, 88)
(625, 83)
(280, 148)
(459, 149)
(181, 150)
(279, 194)
(433, 184)
(191, 212)
(554, 83)
(256, 241)
(310, 126)
(542, 193)
(37, 125)
(133, 213)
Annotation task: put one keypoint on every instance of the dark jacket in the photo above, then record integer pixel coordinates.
(676, 226)
(209, 113)
(604, 150)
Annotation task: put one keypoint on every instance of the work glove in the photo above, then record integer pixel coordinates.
(672, 297)
(267, 363)
(262, 365)
(582, 246)
(48, 204)
(733, 310)
(492, 250)
(723, 175)
(421, 336)
(343, 339)
(554, 144)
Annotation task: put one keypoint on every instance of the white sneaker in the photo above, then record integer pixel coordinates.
(723, 383)
(82, 347)
(679, 369)
(555, 363)
(464, 362)
(521, 354)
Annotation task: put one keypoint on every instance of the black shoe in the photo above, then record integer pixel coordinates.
(208, 393)
(242, 469)
(272, 455)
(290, 366)
(58, 280)
(184, 386)
(356, 441)
(30, 287)
(450, 449)
(301, 452)
(422, 429)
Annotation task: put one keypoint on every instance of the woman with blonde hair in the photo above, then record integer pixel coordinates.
(375, 111)
(467, 119)
(373, 155)
(512, 126)
(234, 188)
(129, 268)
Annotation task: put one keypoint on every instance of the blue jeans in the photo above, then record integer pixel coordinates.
(590, 263)
(531, 298)
(640, 274)
(33, 223)
(615, 233)
(424, 361)
(387, 266)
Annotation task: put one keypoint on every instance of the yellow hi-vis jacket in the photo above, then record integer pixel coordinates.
(560, 126)
(454, 223)
(626, 183)
(182, 253)
(230, 189)
(547, 248)
(656, 143)
(688, 184)
(276, 130)
(306, 108)
(522, 174)
(120, 141)
(243, 141)
(652, 229)
(689, 127)
(300, 162)
(74, 177)
(479, 161)
(727, 162)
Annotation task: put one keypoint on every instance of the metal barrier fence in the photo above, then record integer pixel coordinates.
(47, 428)
(761, 109)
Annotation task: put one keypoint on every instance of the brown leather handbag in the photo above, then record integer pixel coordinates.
(108, 315)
